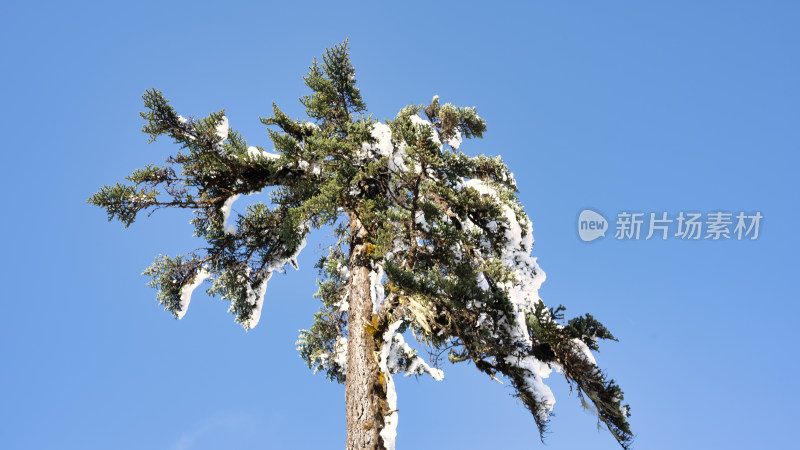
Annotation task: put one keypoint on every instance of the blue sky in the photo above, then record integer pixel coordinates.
(617, 106)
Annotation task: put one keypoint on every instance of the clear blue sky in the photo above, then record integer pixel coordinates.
(638, 106)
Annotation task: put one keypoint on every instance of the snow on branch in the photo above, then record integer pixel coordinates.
(186, 291)
(396, 356)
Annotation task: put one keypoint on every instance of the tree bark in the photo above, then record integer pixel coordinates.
(364, 394)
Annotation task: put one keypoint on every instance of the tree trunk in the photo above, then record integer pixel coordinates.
(364, 394)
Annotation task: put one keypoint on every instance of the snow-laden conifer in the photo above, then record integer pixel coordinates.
(431, 243)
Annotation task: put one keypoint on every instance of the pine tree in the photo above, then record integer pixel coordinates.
(429, 242)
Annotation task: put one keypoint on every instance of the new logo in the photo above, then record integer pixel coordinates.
(591, 225)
